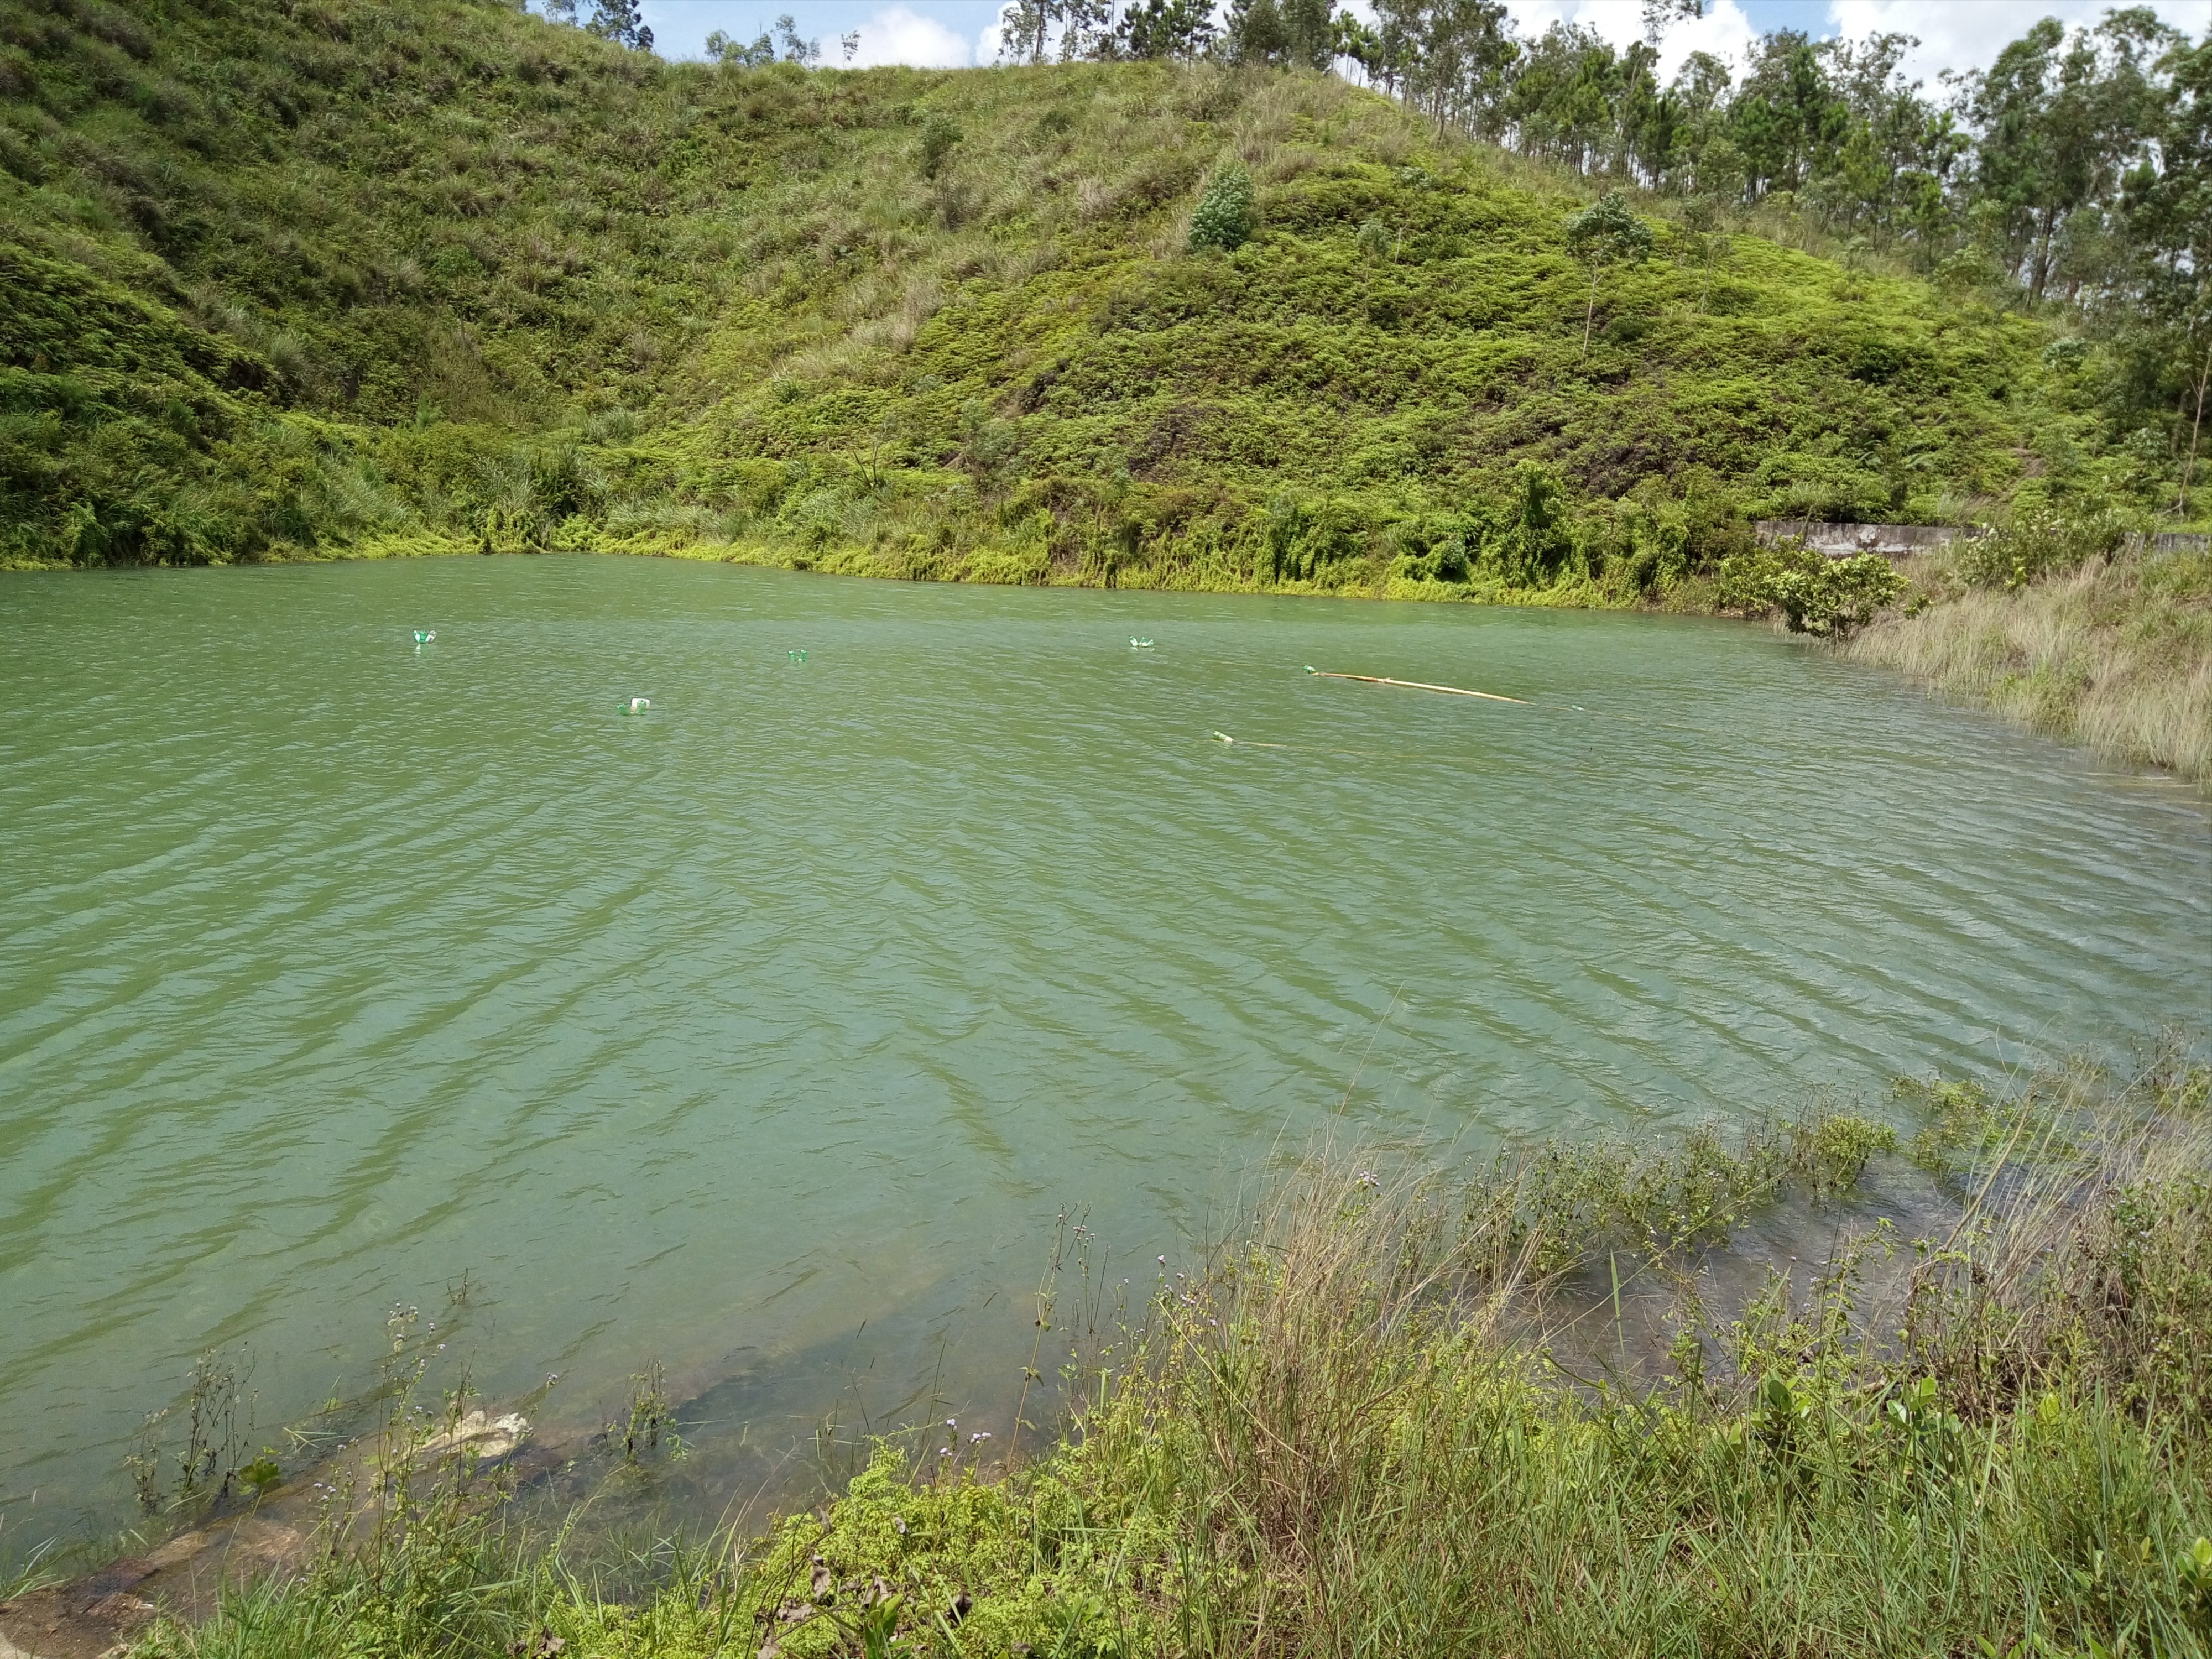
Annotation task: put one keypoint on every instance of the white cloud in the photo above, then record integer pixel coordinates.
(1961, 34)
(1954, 33)
(1724, 30)
(900, 36)
(1967, 35)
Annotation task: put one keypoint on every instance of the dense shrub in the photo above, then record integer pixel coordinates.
(1527, 541)
(1227, 214)
(1815, 593)
(940, 134)
(2039, 542)
(1320, 543)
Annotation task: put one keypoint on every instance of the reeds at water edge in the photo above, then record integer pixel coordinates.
(1534, 1406)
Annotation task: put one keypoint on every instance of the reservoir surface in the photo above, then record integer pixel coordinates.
(767, 1033)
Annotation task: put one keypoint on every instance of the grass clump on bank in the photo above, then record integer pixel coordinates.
(1379, 1425)
(2071, 627)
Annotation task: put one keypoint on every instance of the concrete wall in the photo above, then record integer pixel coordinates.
(1840, 541)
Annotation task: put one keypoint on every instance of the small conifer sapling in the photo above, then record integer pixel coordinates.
(1606, 233)
(1227, 214)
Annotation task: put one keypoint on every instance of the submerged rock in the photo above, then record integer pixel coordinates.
(490, 1437)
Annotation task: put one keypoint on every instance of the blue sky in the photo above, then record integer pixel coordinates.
(1955, 33)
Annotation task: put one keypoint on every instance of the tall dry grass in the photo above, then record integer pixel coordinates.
(1381, 1440)
(2116, 654)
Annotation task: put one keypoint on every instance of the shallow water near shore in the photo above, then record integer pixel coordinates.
(767, 1033)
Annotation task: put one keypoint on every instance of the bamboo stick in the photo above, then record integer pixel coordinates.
(1416, 685)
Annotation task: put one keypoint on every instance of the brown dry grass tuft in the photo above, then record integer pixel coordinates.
(2117, 655)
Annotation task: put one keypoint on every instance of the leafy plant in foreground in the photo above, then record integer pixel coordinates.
(1362, 1430)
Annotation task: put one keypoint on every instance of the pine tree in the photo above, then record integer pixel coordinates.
(622, 22)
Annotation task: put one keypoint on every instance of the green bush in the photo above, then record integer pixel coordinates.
(940, 134)
(1529, 541)
(1815, 594)
(2039, 543)
(1227, 214)
(1322, 544)
(1427, 552)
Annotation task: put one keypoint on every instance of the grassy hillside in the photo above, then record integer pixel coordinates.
(298, 276)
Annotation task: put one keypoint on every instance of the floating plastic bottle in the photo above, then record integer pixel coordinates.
(424, 636)
(796, 656)
(1136, 644)
(638, 705)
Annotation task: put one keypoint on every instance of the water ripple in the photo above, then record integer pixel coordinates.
(332, 970)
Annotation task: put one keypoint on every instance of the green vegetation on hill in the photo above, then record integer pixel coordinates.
(295, 276)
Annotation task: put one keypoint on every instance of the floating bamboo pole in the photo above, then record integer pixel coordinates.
(1416, 685)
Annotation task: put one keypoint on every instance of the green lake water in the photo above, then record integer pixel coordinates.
(768, 1033)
